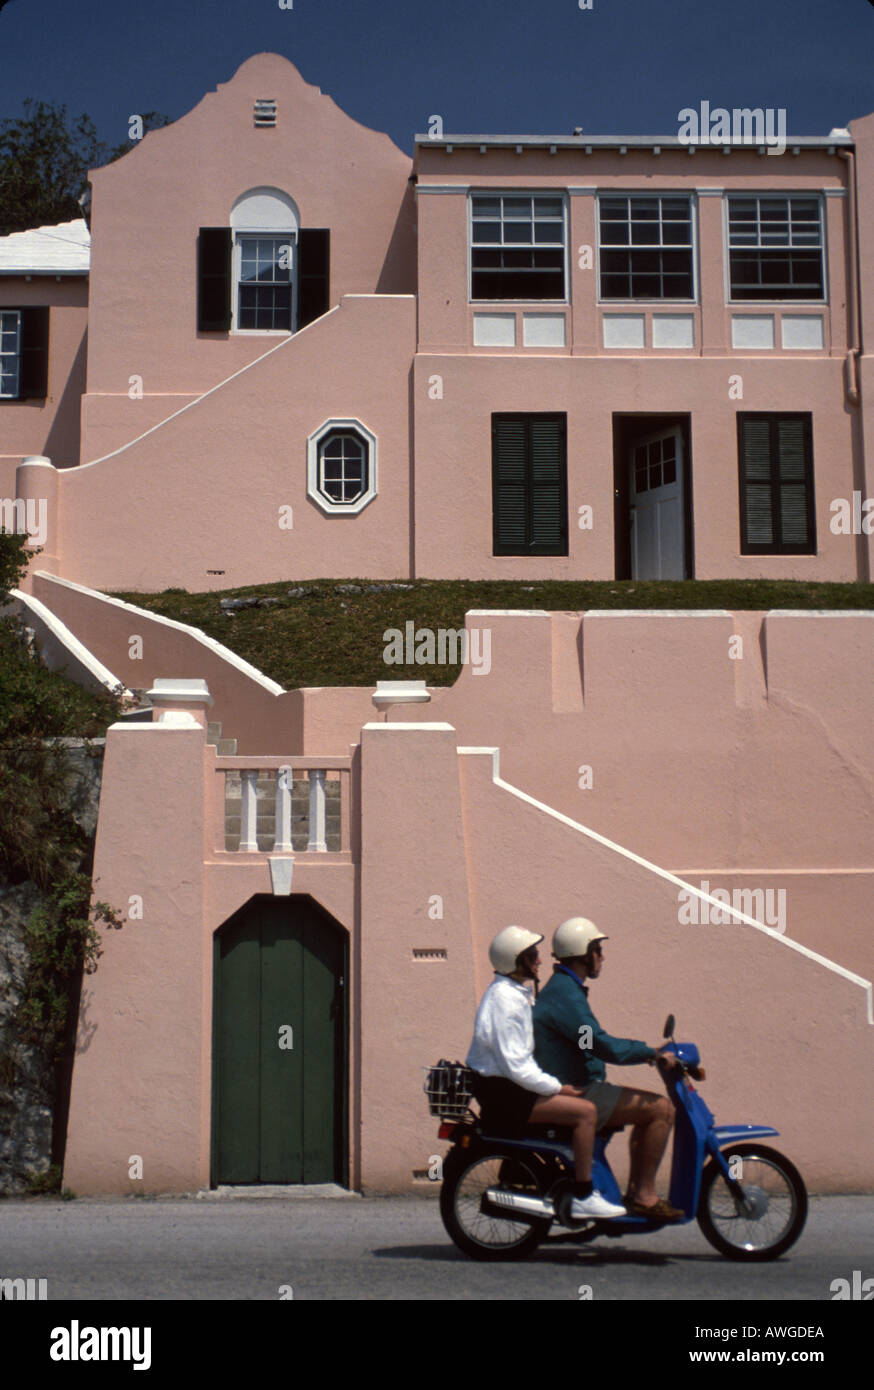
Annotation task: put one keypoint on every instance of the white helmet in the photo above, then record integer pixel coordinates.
(508, 945)
(574, 937)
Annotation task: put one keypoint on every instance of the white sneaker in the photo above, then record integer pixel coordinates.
(594, 1207)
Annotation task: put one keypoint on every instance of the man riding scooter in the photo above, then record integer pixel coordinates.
(570, 1043)
(511, 1088)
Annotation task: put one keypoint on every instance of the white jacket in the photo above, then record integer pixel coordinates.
(503, 1038)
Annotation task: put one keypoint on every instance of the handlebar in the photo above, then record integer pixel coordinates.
(688, 1059)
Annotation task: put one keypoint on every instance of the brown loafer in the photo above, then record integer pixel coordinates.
(659, 1211)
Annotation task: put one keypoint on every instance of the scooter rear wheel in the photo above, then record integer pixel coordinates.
(476, 1233)
(776, 1205)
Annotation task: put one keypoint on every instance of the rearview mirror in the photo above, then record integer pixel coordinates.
(669, 1026)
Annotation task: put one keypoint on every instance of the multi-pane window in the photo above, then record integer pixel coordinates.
(646, 247)
(343, 467)
(265, 300)
(776, 485)
(655, 464)
(529, 484)
(10, 352)
(517, 246)
(775, 247)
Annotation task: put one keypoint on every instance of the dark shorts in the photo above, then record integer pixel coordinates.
(605, 1098)
(504, 1105)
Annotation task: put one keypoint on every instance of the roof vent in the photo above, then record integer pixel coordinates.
(265, 111)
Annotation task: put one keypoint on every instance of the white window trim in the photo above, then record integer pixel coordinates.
(771, 304)
(617, 304)
(330, 507)
(8, 395)
(236, 270)
(518, 193)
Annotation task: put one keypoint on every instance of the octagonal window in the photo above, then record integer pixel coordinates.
(341, 459)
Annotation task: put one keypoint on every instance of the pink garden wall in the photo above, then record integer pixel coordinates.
(706, 773)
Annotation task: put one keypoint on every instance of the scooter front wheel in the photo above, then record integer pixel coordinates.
(480, 1233)
(770, 1217)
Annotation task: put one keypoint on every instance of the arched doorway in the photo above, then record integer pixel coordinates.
(280, 1044)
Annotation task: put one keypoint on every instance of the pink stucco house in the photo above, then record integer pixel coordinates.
(547, 356)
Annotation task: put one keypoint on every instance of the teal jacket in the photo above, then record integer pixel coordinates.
(562, 1009)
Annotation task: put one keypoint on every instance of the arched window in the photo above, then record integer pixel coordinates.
(264, 273)
(265, 225)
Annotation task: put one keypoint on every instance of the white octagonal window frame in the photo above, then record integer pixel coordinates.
(314, 466)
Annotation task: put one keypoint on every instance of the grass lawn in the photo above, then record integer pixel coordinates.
(332, 635)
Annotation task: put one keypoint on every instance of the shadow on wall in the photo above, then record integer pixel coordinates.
(399, 273)
(62, 443)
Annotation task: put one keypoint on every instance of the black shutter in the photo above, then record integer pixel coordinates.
(214, 280)
(33, 380)
(529, 484)
(776, 484)
(314, 274)
(548, 524)
(510, 484)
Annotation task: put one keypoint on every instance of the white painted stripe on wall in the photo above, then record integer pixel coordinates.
(292, 337)
(827, 964)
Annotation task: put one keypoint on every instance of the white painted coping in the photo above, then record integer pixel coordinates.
(495, 753)
(185, 691)
(207, 642)
(400, 693)
(59, 647)
(400, 728)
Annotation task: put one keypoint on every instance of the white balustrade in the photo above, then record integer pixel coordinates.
(248, 811)
(316, 827)
(317, 839)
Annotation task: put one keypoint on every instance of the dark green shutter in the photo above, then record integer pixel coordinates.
(792, 465)
(314, 274)
(758, 499)
(33, 377)
(214, 280)
(529, 484)
(510, 455)
(776, 484)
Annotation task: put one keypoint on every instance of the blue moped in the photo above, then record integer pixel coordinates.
(501, 1195)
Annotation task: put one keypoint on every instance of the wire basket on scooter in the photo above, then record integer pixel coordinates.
(447, 1086)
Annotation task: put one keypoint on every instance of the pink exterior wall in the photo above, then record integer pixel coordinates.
(424, 389)
(184, 518)
(49, 427)
(592, 383)
(751, 774)
(146, 212)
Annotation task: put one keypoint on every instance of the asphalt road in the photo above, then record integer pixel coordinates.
(390, 1248)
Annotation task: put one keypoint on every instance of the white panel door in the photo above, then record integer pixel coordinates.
(656, 499)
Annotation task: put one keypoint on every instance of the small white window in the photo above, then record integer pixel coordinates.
(10, 352)
(265, 225)
(341, 466)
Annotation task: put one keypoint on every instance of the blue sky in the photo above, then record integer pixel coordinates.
(492, 66)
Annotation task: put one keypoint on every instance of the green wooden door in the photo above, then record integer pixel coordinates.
(279, 1045)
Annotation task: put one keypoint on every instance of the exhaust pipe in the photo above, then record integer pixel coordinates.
(516, 1205)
